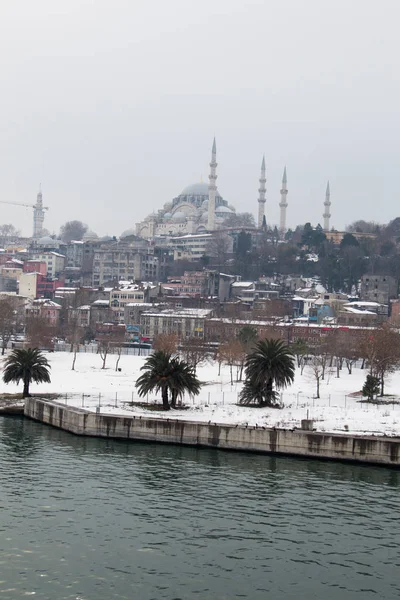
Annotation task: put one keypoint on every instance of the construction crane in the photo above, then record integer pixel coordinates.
(38, 213)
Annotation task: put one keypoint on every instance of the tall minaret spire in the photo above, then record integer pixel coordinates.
(283, 204)
(38, 215)
(327, 205)
(212, 188)
(261, 198)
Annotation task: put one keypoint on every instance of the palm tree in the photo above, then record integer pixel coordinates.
(167, 374)
(184, 380)
(270, 364)
(26, 365)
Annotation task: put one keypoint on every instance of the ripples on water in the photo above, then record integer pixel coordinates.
(94, 519)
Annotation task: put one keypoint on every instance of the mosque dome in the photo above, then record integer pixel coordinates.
(179, 216)
(195, 189)
(223, 209)
(46, 240)
(204, 218)
(90, 235)
(167, 215)
(205, 204)
(167, 206)
(127, 233)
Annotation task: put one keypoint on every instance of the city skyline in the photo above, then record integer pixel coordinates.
(116, 124)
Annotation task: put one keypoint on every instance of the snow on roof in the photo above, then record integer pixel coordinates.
(84, 307)
(362, 303)
(181, 312)
(192, 236)
(141, 304)
(46, 302)
(101, 303)
(358, 311)
(242, 283)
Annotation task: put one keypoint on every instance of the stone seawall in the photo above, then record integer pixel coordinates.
(310, 444)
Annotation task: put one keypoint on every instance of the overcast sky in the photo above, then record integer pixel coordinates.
(112, 105)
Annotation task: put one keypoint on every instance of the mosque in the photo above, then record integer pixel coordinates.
(197, 209)
(200, 208)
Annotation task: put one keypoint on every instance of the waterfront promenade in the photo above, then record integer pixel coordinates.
(297, 442)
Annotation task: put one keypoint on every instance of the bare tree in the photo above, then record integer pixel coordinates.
(244, 219)
(247, 336)
(337, 349)
(219, 247)
(104, 348)
(299, 349)
(119, 352)
(7, 322)
(323, 352)
(382, 352)
(316, 370)
(74, 336)
(167, 342)
(231, 353)
(39, 332)
(194, 351)
(8, 233)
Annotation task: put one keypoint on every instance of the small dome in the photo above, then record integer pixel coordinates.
(127, 233)
(46, 240)
(90, 235)
(204, 204)
(204, 218)
(223, 209)
(168, 206)
(167, 215)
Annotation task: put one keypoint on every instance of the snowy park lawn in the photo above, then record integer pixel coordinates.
(338, 410)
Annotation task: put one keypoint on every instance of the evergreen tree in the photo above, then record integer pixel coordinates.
(371, 387)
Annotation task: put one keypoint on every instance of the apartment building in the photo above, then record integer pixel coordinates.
(184, 322)
(378, 288)
(55, 262)
(126, 262)
(191, 246)
(130, 293)
(74, 255)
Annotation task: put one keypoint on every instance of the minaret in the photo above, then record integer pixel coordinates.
(212, 188)
(327, 204)
(283, 204)
(261, 198)
(38, 216)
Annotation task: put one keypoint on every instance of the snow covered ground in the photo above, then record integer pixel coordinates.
(338, 409)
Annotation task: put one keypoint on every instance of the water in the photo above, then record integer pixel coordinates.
(102, 520)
